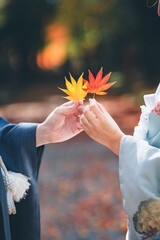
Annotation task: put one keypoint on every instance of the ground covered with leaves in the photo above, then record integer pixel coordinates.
(79, 192)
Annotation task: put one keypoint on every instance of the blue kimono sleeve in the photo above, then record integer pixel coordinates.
(19, 153)
(139, 172)
(18, 147)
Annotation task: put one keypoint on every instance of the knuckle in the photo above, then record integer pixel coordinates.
(93, 105)
(82, 117)
(85, 111)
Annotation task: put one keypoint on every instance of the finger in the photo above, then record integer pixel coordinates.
(77, 128)
(84, 127)
(95, 109)
(85, 122)
(78, 125)
(80, 102)
(101, 107)
(90, 116)
(80, 109)
(68, 109)
(70, 103)
(91, 100)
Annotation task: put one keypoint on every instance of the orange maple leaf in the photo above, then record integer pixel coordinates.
(98, 85)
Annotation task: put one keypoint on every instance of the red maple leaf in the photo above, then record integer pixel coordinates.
(98, 85)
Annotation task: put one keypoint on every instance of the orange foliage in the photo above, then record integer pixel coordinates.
(55, 53)
(98, 85)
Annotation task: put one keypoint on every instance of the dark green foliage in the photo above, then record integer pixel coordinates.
(123, 36)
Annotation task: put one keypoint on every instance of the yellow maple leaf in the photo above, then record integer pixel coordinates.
(74, 89)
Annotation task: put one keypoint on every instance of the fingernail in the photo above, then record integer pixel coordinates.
(92, 100)
(81, 102)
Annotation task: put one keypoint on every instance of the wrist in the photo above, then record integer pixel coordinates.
(118, 143)
(114, 144)
(42, 136)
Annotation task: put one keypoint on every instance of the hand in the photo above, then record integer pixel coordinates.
(100, 126)
(62, 124)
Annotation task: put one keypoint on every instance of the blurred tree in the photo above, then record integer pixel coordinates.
(149, 36)
(120, 35)
(102, 33)
(21, 25)
(123, 36)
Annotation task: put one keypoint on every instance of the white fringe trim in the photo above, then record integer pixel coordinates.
(16, 186)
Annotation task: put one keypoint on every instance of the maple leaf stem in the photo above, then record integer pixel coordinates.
(94, 96)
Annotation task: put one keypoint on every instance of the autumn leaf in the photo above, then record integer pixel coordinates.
(97, 85)
(75, 90)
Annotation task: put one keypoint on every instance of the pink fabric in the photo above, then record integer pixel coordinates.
(156, 109)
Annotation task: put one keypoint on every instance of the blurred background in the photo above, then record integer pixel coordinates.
(41, 41)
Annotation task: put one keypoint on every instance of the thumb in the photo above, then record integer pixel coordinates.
(67, 109)
(98, 104)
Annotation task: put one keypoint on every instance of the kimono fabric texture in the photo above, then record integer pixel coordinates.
(139, 182)
(19, 153)
(139, 172)
(140, 186)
